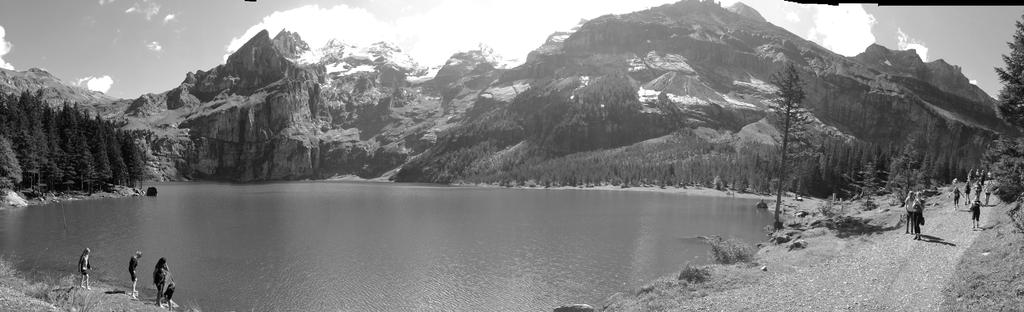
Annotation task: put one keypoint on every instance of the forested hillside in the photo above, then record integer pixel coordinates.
(63, 149)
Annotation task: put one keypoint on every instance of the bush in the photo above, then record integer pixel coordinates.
(1017, 217)
(869, 205)
(826, 208)
(730, 251)
(695, 275)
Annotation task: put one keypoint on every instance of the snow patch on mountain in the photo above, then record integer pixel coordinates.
(757, 85)
(736, 102)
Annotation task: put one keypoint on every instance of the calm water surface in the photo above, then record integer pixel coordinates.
(333, 246)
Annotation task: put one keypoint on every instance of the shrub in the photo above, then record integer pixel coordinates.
(729, 251)
(826, 208)
(1017, 217)
(869, 205)
(694, 274)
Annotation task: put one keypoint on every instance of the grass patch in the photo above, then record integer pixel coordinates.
(694, 274)
(668, 293)
(730, 251)
(6, 268)
(988, 277)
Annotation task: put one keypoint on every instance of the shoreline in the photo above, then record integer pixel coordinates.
(18, 200)
(820, 249)
(686, 191)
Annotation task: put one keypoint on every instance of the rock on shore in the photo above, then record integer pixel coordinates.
(12, 199)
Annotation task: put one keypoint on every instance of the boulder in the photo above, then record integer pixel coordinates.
(800, 244)
(778, 239)
(12, 199)
(151, 191)
(762, 205)
(575, 308)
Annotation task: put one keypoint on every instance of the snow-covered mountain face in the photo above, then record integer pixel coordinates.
(342, 59)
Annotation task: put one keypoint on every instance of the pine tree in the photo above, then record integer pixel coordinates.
(1011, 97)
(791, 114)
(10, 170)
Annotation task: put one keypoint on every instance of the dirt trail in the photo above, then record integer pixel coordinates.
(887, 271)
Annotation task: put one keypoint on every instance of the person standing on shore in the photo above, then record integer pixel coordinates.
(169, 290)
(160, 273)
(132, 264)
(84, 266)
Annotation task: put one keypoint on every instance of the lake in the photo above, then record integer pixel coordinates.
(349, 246)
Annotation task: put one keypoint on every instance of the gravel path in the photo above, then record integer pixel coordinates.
(882, 272)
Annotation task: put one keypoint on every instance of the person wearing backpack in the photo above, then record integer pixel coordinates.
(915, 213)
(976, 215)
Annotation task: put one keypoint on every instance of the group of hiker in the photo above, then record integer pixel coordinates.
(161, 276)
(915, 202)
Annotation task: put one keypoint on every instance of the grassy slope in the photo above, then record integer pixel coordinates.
(990, 276)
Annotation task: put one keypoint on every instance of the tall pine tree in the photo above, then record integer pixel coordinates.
(792, 116)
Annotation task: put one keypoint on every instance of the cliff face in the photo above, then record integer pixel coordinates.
(277, 110)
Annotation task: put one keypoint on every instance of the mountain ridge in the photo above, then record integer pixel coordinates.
(280, 109)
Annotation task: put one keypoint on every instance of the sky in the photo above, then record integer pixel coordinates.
(126, 48)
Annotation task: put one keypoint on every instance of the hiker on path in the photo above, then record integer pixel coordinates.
(977, 192)
(956, 198)
(160, 273)
(967, 191)
(976, 214)
(84, 266)
(915, 209)
(132, 264)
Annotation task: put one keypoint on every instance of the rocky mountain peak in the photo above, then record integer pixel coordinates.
(938, 73)
(746, 11)
(290, 44)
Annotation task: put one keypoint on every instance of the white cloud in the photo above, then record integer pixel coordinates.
(904, 42)
(168, 18)
(154, 46)
(845, 29)
(101, 84)
(451, 26)
(5, 47)
(103, 2)
(144, 7)
(792, 17)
